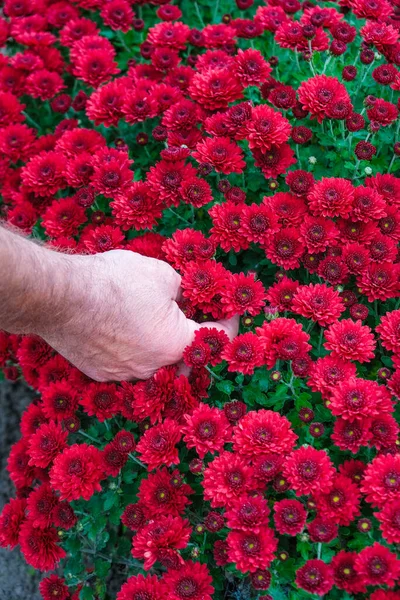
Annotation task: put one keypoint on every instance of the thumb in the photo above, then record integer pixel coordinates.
(229, 326)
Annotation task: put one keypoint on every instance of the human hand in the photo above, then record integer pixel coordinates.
(120, 320)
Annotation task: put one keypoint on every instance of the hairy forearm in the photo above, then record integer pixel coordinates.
(34, 284)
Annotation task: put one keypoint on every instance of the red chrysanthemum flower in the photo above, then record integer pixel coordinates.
(353, 469)
(44, 173)
(159, 540)
(151, 396)
(104, 107)
(241, 294)
(284, 248)
(100, 400)
(283, 339)
(207, 429)
(251, 551)
(40, 504)
(320, 94)
(63, 217)
(59, 400)
(250, 67)
(384, 432)
(377, 565)
(309, 471)
(244, 353)
(54, 587)
(289, 516)
(318, 233)
(379, 281)
(350, 340)
(157, 445)
(315, 577)
(389, 521)
(221, 153)
(215, 88)
(226, 229)
(173, 35)
(344, 574)
(266, 128)
(133, 517)
(94, 66)
(342, 503)
(227, 477)
(220, 553)
(140, 586)
(44, 84)
(275, 161)
(263, 432)
(322, 531)
(331, 197)
(39, 547)
(159, 496)
(191, 581)
(21, 473)
(351, 435)
(63, 516)
(166, 178)
(77, 472)
(16, 141)
(11, 519)
(358, 398)
(389, 330)
(381, 481)
(111, 172)
(248, 513)
(280, 294)
(113, 460)
(318, 302)
(202, 281)
(46, 443)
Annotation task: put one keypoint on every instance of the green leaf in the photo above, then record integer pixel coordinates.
(86, 594)
(226, 387)
(102, 567)
(110, 498)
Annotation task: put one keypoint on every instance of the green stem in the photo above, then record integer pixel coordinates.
(89, 437)
(198, 13)
(207, 368)
(178, 216)
(30, 120)
(136, 460)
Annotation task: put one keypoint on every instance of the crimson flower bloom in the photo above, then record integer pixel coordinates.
(289, 516)
(309, 471)
(244, 353)
(381, 481)
(39, 546)
(315, 577)
(248, 513)
(207, 430)
(159, 540)
(377, 565)
(191, 581)
(344, 574)
(227, 477)
(11, 519)
(77, 472)
(262, 432)
(251, 551)
(157, 445)
(350, 340)
(148, 586)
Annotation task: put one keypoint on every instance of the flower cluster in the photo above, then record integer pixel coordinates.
(254, 147)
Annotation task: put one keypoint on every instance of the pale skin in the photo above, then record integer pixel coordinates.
(113, 315)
